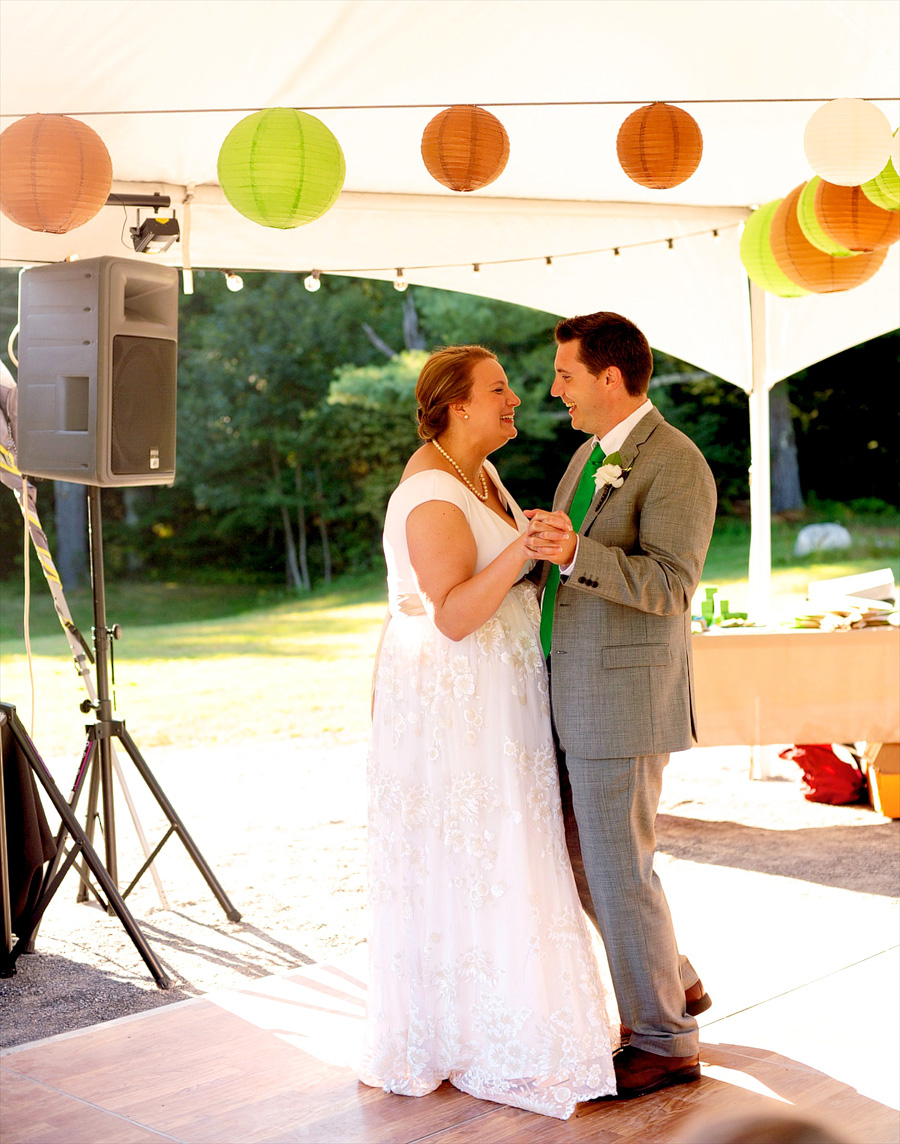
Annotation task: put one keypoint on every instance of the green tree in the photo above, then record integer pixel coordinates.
(847, 420)
(296, 416)
(715, 415)
(253, 367)
(358, 440)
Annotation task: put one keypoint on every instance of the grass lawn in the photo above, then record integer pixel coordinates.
(301, 667)
(207, 665)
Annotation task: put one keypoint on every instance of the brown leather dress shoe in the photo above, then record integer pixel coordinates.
(639, 1073)
(696, 1001)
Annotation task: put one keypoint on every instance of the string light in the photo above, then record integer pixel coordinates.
(233, 281)
(312, 283)
(315, 108)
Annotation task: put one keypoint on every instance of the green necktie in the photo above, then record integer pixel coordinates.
(581, 502)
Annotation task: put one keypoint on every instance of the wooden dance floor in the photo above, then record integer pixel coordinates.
(271, 1061)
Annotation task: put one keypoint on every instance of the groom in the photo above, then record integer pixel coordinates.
(632, 521)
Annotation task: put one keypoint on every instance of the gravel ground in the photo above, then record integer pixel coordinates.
(282, 824)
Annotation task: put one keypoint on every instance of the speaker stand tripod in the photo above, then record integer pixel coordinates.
(114, 902)
(96, 761)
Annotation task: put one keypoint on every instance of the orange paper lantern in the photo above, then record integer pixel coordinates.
(659, 146)
(849, 217)
(55, 173)
(809, 267)
(465, 147)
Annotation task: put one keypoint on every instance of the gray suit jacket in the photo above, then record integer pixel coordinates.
(621, 670)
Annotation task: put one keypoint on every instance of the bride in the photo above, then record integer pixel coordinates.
(480, 965)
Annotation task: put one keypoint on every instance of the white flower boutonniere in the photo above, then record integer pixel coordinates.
(611, 473)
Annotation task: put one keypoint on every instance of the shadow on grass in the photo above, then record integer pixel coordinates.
(185, 622)
(137, 605)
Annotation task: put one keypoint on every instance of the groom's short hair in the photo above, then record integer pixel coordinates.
(609, 339)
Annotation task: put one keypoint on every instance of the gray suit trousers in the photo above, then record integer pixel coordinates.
(615, 803)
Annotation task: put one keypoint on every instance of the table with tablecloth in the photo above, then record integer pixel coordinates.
(757, 685)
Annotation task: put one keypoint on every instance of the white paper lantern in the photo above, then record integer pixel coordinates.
(847, 141)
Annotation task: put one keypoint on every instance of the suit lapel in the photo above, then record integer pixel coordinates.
(565, 491)
(629, 454)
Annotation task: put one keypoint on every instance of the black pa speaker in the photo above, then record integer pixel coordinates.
(98, 346)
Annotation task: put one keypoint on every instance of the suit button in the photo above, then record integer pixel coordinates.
(581, 580)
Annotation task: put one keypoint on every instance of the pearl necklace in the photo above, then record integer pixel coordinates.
(483, 495)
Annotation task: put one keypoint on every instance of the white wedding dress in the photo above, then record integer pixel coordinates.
(481, 969)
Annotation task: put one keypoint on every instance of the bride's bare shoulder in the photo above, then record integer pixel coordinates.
(420, 462)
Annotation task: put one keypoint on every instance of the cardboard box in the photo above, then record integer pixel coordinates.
(883, 773)
(885, 757)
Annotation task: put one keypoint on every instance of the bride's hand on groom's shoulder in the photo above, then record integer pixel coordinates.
(550, 536)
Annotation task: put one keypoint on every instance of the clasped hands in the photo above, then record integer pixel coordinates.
(550, 536)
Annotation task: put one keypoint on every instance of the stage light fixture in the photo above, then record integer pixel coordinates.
(155, 234)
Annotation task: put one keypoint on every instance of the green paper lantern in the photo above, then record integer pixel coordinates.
(884, 189)
(281, 167)
(812, 228)
(757, 257)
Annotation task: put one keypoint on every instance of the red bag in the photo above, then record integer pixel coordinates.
(826, 777)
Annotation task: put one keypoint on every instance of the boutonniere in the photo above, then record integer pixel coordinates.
(611, 472)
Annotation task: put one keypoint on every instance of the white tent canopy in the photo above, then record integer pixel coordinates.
(188, 71)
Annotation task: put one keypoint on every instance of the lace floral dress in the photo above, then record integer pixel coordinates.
(481, 969)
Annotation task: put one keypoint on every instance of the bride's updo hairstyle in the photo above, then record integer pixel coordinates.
(445, 380)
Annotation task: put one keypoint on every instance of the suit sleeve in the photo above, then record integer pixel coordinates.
(660, 573)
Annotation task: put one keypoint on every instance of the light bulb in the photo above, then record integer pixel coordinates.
(311, 281)
(400, 282)
(233, 281)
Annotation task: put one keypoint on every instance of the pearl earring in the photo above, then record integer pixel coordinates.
(465, 417)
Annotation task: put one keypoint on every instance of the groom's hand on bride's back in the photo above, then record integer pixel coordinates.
(550, 536)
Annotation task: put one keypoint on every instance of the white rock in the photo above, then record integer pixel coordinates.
(821, 538)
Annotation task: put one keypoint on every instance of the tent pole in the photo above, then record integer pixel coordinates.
(760, 571)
